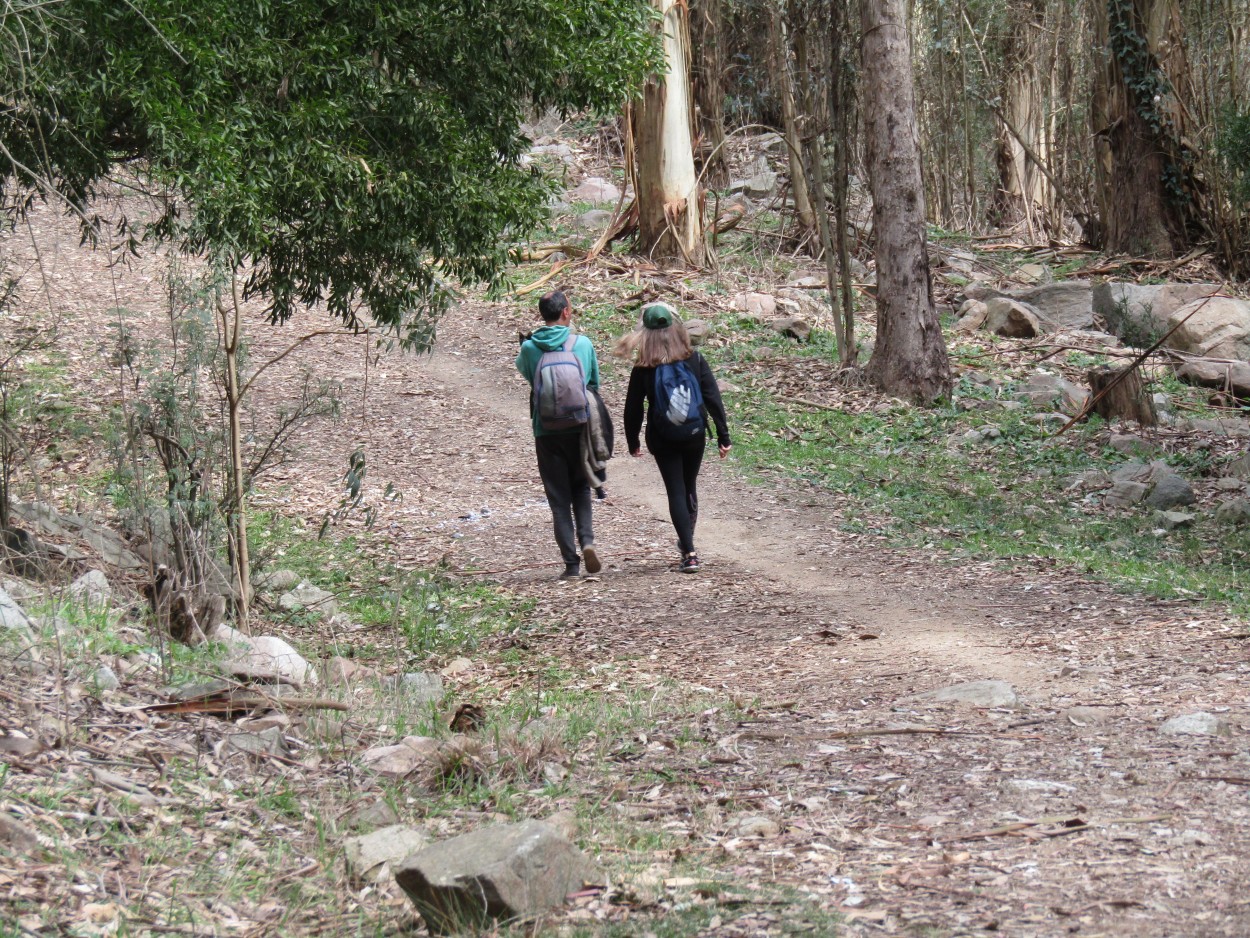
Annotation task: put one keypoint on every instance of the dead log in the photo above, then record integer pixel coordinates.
(1118, 393)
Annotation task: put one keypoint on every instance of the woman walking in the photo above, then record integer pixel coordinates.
(680, 392)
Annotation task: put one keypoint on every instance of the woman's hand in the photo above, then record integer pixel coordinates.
(724, 451)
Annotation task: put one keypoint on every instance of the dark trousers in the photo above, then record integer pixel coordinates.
(679, 468)
(568, 493)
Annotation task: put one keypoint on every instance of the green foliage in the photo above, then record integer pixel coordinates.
(363, 153)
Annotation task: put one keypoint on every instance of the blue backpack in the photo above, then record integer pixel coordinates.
(677, 404)
(560, 389)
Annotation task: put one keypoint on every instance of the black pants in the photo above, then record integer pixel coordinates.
(679, 468)
(568, 493)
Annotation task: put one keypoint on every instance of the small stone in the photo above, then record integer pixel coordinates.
(374, 814)
(1039, 785)
(503, 872)
(343, 672)
(1131, 444)
(17, 836)
(394, 761)
(307, 596)
(974, 693)
(369, 856)
(267, 742)
(1124, 494)
(792, 327)
(1229, 485)
(757, 826)
(421, 686)
(1084, 716)
(91, 588)
(595, 220)
(456, 666)
(278, 581)
(1173, 520)
(1195, 724)
(760, 305)
(269, 658)
(971, 316)
(106, 679)
(697, 330)
(1170, 490)
(1238, 469)
(595, 189)
(1235, 511)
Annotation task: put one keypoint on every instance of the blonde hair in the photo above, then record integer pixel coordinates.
(653, 347)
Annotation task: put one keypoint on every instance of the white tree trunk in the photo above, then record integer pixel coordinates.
(670, 203)
(909, 359)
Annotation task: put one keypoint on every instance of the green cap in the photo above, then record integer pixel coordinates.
(658, 316)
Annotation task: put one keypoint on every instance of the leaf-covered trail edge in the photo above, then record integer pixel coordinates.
(826, 635)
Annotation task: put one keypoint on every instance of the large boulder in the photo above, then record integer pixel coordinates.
(1011, 318)
(1216, 327)
(1223, 376)
(1141, 311)
(1066, 305)
(502, 873)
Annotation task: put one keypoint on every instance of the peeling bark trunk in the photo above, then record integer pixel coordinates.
(670, 203)
(1024, 191)
(910, 358)
(794, 151)
(709, 89)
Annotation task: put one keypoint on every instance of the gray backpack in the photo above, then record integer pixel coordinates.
(560, 389)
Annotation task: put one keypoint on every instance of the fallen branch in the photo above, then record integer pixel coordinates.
(232, 701)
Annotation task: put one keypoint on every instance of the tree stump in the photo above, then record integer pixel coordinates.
(1119, 393)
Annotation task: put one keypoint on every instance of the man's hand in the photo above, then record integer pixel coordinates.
(724, 451)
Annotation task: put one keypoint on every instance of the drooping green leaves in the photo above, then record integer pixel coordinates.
(361, 153)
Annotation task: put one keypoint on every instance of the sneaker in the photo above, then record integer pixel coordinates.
(690, 563)
(591, 560)
(572, 571)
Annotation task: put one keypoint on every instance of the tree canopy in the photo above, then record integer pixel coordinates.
(359, 153)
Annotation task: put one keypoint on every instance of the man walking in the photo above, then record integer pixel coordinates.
(545, 362)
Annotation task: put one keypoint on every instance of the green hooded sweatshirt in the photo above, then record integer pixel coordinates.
(550, 339)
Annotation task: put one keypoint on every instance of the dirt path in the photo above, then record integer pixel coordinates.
(830, 633)
(911, 817)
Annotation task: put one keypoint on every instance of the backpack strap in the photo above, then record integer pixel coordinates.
(570, 341)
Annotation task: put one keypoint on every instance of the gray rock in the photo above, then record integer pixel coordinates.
(1174, 520)
(1051, 389)
(370, 856)
(1084, 716)
(401, 760)
(106, 678)
(1143, 310)
(1130, 444)
(595, 189)
(1039, 786)
(794, 328)
(1011, 318)
(307, 596)
(1195, 724)
(756, 825)
(1229, 484)
(1091, 480)
(269, 658)
(760, 305)
(1170, 490)
(1124, 494)
(595, 220)
(1219, 375)
(501, 873)
(421, 686)
(974, 693)
(697, 329)
(371, 815)
(761, 185)
(1239, 468)
(13, 617)
(16, 836)
(1065, 305)
(1215, 327)
(1235, 511)
(1232, 428)
(266, 742)
(979, 290)
(278, 581)
(972, 316)
(91, 588)
(560, 151)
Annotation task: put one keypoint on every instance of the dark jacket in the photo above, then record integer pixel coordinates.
(642, 388)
